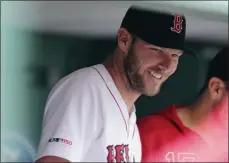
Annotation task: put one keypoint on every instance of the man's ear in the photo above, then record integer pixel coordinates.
(216, 88)
(124, 39)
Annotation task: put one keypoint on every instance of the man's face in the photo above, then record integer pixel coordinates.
(148, 66)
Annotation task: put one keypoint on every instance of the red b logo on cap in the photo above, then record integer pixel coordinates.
(177, 24)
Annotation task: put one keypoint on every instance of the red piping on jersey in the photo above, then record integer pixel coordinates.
(114, 99)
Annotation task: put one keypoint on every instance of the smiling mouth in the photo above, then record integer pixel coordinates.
(155, 75)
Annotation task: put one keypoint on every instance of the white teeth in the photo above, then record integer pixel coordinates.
(158, 76)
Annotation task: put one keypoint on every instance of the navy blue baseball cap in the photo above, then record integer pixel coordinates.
(155, 27)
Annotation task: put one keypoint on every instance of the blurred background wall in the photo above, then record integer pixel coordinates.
(43, 41)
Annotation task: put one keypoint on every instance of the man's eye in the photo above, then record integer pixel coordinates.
(175, 55)
(157, 50)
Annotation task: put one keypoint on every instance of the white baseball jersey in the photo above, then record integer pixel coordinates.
(86, 120)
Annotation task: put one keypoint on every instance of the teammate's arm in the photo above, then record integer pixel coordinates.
(70, 123)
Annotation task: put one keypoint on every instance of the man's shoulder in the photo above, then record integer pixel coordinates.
(154, 121)
(78, 87)
(150, 119)
(84, 75)
(82, 80)
(162, 121)
(81, 77)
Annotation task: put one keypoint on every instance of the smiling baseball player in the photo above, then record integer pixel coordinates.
(90, 114)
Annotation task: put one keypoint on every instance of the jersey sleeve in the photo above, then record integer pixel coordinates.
(71, 121)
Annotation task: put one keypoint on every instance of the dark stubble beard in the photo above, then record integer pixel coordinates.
(132, 66)
(135, 81)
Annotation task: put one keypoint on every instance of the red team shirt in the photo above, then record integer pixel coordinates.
(165, 139)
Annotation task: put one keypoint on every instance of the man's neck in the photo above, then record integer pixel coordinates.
(205, 125)
(115, 68)
(194, 114)
(197, 117)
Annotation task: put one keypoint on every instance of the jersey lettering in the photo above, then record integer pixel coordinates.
(110, 157)
(181, 157)
(118, 153)
(60, 140)
(177, 24)
(127, 151)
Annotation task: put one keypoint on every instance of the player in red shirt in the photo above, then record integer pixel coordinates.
(194, 133)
